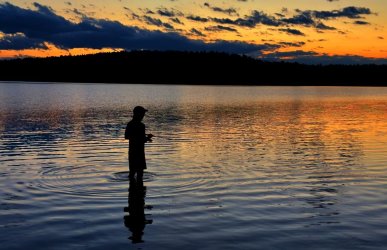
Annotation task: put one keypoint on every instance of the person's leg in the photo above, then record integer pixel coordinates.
(131, 174)
(139, 179)
(140, 174)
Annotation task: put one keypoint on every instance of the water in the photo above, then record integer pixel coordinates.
(229, 168)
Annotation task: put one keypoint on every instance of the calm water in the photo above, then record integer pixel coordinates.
(230, 168)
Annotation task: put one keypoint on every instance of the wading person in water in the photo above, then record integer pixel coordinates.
(135, 132)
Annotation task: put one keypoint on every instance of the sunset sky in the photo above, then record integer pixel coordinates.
(311, 31)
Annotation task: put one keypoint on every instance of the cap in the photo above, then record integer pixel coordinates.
(139, 109)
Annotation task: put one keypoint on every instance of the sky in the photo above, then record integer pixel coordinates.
(307, 31)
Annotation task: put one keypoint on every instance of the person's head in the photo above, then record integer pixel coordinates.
(139, 112)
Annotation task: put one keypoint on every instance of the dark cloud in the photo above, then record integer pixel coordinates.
(312, 18)
(147, 11)
(78, 12)
(224, 21)
(322, 26)
(280, 15)
(349, 12)
(292, 44)
(157, 22)
(197, 18)
(292, 32)
(358, 22)
(30, 22)
(20, 41)
(228, 11)
(255, 18)
(217, 28)
(308, 18)
(259, 17)
(196, 32)
(166, 12)
(98, 33)
(176, 20)
(380, 37)
(300, 19)
(153, 21)
(310, 57)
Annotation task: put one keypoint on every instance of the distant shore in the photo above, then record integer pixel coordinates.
(191, 68)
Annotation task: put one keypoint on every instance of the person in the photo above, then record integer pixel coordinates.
(135, 133)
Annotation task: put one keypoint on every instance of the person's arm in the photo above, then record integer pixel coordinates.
(148, 138)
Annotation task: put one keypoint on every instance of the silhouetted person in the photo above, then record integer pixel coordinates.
(136, 219)
(135, 132)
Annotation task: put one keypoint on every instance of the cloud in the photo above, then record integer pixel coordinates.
(255, 18)
(312, 18)
(220, 28)
(77, 12)
(30, 22)
(310, 57)
(292, 32)
(358, 22)
(349, 12)
(166, 12)
(197, 18)
(304, 18)
(176, 20)
(224, 21)
(259, 17)
(20, 41)
(292, 44)
(100, 33)
(196, 32)
(228, 11)
(308, 18)
(157, 22)
(322, 26)
(149, 12)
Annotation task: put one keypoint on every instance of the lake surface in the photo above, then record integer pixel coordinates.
(229, 168)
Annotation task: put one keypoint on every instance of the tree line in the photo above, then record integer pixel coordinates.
(173, 67)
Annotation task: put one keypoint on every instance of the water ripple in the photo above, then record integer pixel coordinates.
(282, 173)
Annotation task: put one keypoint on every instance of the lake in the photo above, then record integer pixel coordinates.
(229, 167)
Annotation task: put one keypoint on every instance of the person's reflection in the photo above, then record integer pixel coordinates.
(136, 220)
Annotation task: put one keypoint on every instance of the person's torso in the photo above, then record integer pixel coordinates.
(136, 133)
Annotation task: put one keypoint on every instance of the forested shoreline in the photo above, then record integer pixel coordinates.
(173, 67)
